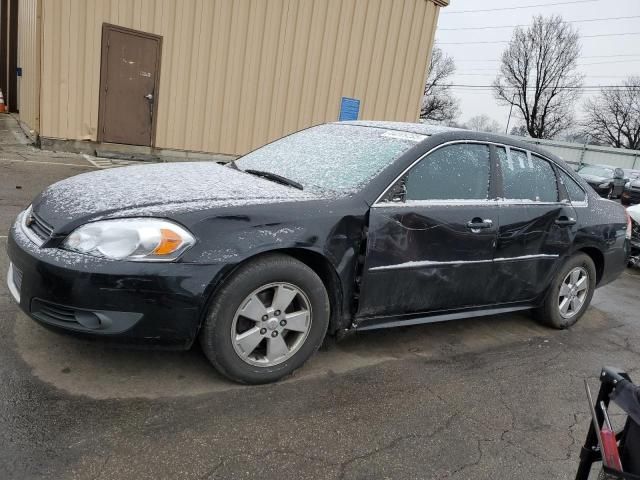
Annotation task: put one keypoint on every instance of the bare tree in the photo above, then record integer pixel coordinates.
(520, 131)
(613, 118)
(538, 75)
(438, 103)
(483, 123)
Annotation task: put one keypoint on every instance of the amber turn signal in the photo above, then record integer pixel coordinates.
(170, 241)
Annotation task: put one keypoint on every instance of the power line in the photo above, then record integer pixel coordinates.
(612, 61)
(581, 57)
(494, 68)
(528, 24)
(520, 7)
(507, 41)
(584, 87)
(496, 73)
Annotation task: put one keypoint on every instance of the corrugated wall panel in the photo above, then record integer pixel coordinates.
(236, 74)
(29, 61)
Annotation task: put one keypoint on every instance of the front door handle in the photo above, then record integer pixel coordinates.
(478, 224)
(565, 221)
(149, 96)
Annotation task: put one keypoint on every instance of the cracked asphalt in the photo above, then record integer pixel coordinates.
(485, 398)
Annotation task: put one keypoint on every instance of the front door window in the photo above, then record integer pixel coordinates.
(454, 172)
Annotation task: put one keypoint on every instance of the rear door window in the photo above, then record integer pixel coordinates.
(527, 177)
(454, 172)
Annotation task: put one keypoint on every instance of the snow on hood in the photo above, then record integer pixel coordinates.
(156, 189)
(593, 178)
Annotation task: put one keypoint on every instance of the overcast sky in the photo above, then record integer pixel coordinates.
(477, 63)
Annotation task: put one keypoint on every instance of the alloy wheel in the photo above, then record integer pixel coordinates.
(271, 324)
(573, 292)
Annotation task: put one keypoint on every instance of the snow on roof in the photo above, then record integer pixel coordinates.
(419, 128)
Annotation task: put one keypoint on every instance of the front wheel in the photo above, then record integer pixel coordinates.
(266, 321)
(570, 293)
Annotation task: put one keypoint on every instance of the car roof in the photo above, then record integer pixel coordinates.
(444, 134)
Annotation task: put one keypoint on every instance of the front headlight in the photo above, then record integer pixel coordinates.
(138, 239)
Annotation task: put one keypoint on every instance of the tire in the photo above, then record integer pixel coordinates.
(244, 312)
(550, 313)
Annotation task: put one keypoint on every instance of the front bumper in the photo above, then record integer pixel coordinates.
(132, 302)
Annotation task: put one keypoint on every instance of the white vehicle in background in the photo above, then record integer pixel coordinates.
(634, 216)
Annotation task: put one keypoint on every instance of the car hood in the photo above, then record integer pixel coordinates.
(156, 190)
(634, 213)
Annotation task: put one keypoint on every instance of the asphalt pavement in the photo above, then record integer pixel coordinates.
(484, 398)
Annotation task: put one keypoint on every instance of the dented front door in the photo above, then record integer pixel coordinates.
(432, 236)
(428, 258)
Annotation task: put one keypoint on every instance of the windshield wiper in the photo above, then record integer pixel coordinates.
(275, 178)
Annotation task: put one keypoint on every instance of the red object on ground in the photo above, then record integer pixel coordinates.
(610, 454)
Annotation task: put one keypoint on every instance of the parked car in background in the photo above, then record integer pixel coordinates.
(634, 218)
(631, 193)
(607, 181)
(338, 228)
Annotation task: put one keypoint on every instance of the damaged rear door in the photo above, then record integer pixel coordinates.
(537, 226)
(432, 236)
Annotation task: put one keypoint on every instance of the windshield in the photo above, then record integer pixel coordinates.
(597, 171)
(336, 157)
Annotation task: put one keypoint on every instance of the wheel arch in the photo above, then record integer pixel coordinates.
(320, 264)
(598, 260)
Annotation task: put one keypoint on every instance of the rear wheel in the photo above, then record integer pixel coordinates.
(266, 321)
(570, 293)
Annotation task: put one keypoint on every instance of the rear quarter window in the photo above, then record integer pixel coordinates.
(575, 191)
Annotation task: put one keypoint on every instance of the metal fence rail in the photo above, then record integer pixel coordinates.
(576, 154)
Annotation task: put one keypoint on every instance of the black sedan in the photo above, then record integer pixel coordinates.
(631, 194)
(608, 182)
(338, 228)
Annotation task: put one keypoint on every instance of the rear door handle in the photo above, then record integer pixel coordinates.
(565, 221)
(478, 224)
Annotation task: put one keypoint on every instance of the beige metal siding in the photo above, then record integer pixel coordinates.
(29, 61)
(236, 74)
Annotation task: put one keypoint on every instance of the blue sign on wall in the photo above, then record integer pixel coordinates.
(349, 109)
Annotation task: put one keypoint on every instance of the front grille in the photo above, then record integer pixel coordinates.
(17, 277)
(52, 313)
(39, 226)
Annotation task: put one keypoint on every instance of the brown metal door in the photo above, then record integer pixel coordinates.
(128, 86)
